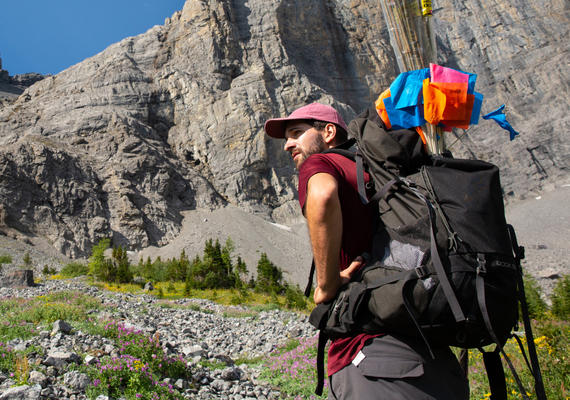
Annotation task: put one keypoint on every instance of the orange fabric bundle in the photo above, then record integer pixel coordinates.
(381, 108)
(434, 103)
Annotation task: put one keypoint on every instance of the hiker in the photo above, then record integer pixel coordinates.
(361, 366)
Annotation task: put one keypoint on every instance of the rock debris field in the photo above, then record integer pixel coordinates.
(199, 330)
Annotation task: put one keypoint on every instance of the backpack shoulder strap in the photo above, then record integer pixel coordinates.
(350, 150)
(310, 282)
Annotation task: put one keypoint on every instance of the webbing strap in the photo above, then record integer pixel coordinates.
(523, 352)
(538, 383)
(360, 179)
(480, 287)
(444, 282)
(496, 380)
(519, 255)
(310, 282)
(323, 338)
(517, 379)
(385, 189)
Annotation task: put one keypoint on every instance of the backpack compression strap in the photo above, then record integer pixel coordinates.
(323, 338)
(519, 255)
(436, 259)
(492, 360)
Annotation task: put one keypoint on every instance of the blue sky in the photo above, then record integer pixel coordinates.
(48, 36)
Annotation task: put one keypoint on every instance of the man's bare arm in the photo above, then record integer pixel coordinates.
(324, 219)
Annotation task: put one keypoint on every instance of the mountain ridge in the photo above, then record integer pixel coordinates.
(171, 121)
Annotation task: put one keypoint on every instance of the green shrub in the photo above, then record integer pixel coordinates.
(139, 370)
(20, 317)
(5, 259)
(561, 298)
(213, 364)
(7, 357)
(291, 368)
(48, 271)
(295, 298)
(536, 306)
(27, 261)
(74, 269)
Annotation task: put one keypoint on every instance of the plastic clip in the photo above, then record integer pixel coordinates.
(422, 271)
(481, 264)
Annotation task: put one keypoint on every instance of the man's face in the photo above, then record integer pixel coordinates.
(302, 140)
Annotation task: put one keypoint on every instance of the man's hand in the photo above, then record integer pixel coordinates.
(320, 296)
(347, 273)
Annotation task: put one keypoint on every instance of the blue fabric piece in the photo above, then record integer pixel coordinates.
(500, 118)
(470, 82)
(477, 103)
(406, 90)
(404, 118)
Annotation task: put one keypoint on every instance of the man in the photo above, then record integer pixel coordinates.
(361, 366)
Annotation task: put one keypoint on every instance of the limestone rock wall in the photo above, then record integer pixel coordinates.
(172, 119)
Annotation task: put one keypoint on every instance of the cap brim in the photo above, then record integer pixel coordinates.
(276, 127)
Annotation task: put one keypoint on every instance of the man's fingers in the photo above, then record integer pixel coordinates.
(355, 265)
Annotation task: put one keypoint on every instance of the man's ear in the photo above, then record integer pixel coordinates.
(329, 134)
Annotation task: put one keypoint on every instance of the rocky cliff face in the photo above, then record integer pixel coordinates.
(172, 120)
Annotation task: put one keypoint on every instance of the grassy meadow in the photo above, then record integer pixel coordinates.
(140, 369)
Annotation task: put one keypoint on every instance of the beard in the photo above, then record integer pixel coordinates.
(317, 146)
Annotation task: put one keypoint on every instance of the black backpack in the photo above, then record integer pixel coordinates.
(444, 263)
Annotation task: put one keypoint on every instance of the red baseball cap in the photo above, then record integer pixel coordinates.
(276, 127)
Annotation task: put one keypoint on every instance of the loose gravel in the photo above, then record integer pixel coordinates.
(199, 330)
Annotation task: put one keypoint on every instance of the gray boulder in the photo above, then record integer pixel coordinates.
(76, 381)
(37, 377)
(60, 359)
(61, 326)
(17, 278)
(24, 392)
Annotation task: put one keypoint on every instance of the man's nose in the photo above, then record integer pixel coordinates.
(289, 144)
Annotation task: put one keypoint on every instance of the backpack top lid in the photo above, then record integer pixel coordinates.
(399, 151)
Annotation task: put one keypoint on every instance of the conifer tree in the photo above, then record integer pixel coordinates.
(269, 276)
(98, 267)
(122, 265)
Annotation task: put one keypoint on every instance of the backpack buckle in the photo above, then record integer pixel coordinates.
(481, 264)
(422, 271)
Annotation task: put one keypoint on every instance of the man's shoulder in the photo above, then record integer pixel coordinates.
(335, 159)
(322, 162)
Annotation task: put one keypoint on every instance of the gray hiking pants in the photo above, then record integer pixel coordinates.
(389, 369)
